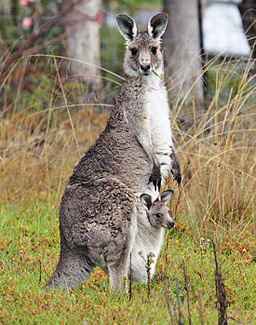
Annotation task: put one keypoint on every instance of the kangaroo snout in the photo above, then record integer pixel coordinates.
(145, 68)
(145, 63)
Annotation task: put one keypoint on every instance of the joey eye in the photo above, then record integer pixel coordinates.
(134, 51)
(153, 50)
(159, 215)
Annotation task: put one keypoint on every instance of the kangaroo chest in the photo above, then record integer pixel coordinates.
(160, 127)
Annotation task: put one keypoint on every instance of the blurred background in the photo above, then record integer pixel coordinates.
(86, 32)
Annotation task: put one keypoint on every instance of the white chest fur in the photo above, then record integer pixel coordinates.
(148, 239)
(160, 127)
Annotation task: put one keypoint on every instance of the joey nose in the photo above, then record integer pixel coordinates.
(171, 225)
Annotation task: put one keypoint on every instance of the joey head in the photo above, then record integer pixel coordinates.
(158, 211)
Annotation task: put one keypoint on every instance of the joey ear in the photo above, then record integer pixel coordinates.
(146, 200)
(127, 27)
(166, 196)
(157, 25)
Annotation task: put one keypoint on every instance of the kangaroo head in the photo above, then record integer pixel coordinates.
(143, 53)
(158, 211)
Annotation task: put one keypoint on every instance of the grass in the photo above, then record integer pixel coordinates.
(30, 236)
(216, 148)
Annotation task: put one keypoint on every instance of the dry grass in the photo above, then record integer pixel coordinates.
(215, 144)
(38, 151)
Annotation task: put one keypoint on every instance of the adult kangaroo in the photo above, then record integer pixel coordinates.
(134, 150)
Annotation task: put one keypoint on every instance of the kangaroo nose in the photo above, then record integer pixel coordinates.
(145, 67)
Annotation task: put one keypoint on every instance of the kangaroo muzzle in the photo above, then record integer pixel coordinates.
(145, 64)
(170, 224)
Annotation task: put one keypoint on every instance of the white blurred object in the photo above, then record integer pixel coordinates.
(223, 30)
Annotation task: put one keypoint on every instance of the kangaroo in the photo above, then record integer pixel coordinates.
(135, 148)
(107, 241)
(149, 237)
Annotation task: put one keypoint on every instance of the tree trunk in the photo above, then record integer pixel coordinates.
(182, 50)
(248, 12)
(83, 41)
(5, 10)
(5, 7)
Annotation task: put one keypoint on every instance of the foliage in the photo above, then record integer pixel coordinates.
(44, 132)
(13, 32)
(9, 31)
(110, 55)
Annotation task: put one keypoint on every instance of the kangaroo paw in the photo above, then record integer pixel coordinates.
(176, 176)
(175, 168)
(156, 178)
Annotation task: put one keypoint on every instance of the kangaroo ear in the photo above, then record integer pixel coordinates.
(126, 26)
(157, 25)
(166, 196)
(146, 200)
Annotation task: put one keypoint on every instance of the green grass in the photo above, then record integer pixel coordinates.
(29, 236)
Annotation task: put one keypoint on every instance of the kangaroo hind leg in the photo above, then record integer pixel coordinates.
(116, 274)
(72, 269)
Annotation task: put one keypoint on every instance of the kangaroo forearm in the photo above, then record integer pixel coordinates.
(143, 137)
(140, 128)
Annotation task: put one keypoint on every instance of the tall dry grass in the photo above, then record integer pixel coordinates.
(216, 145)
(43, 135)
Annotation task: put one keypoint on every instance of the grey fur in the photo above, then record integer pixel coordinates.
(98, 231)
(100, 220)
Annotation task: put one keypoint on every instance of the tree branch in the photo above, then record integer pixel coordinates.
(25, 48)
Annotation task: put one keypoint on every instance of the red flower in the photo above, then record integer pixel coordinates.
(23, 3)
(26, 23)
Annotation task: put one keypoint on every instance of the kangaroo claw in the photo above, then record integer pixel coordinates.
(156, 178)
(176, 176)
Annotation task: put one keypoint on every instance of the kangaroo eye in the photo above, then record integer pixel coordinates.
(153, 50)
(134, 51)
(159, 215)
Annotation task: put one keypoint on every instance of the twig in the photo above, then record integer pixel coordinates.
(178, 201)
(187, 291)
(166, 250)
(148, 267)
(235, 320)
(37, 48)
(167, 299)
(220, 292)
(179, 301)
(130, 278)
(200, 308)
(40, 273)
